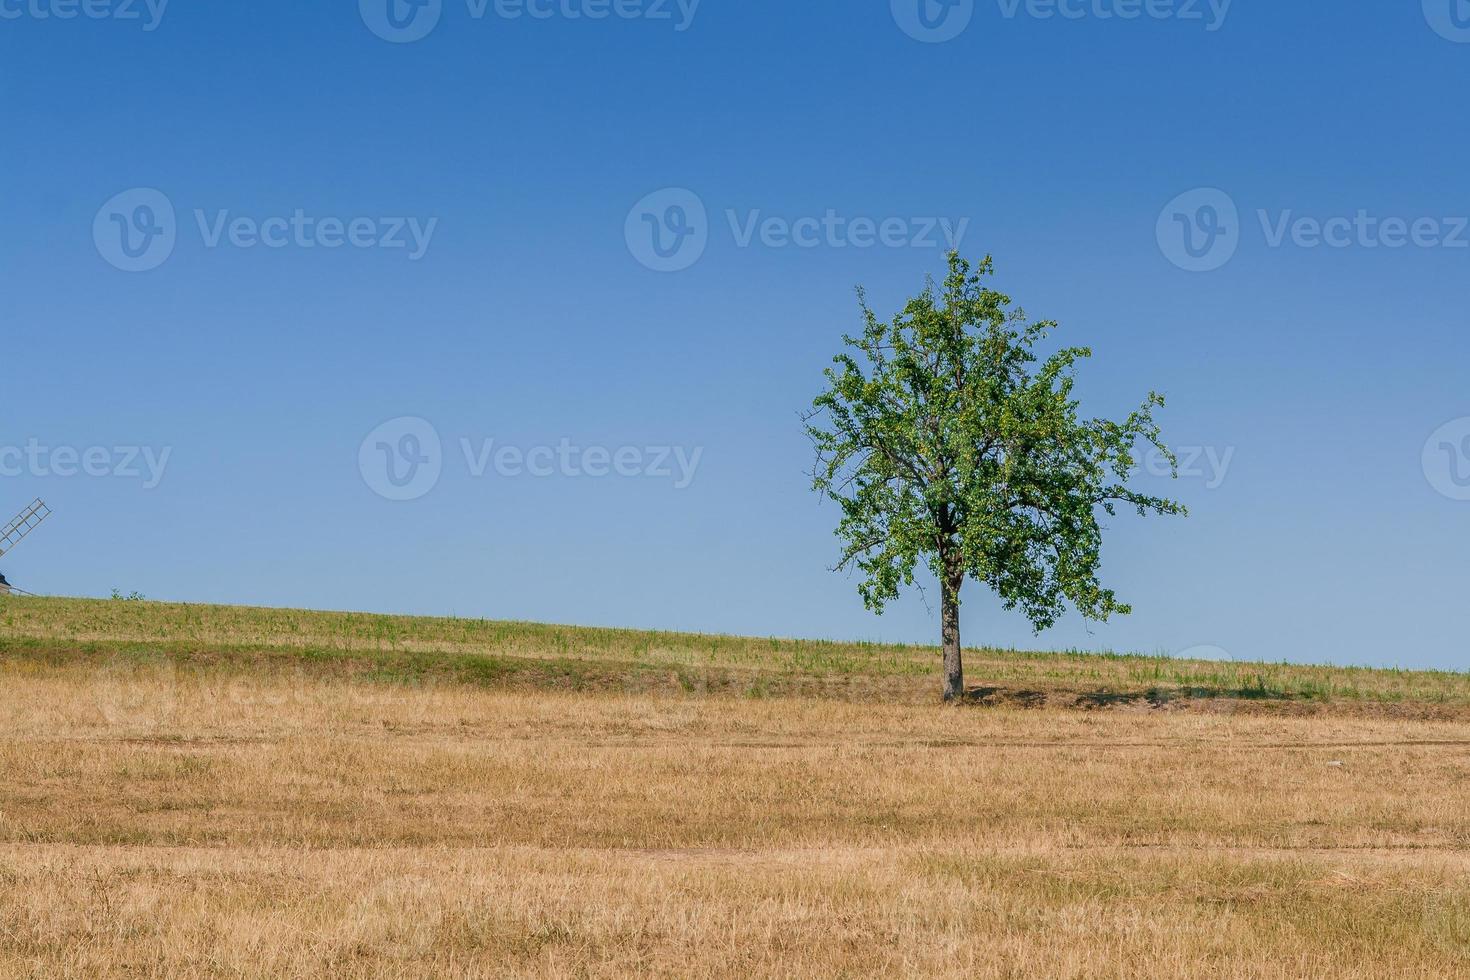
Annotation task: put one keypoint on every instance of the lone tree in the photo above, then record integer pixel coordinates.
(945, 437)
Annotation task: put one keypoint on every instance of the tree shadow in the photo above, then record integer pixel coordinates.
(1242, 693)
(1162, 697)
(1093, 700)
(994, 697)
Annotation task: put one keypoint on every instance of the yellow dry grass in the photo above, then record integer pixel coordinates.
(302, 827)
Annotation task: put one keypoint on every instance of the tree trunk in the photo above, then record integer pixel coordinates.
(954, 668)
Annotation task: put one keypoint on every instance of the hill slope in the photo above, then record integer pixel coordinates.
(406, 649)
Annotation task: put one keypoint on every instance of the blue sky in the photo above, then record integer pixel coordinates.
(336, 224)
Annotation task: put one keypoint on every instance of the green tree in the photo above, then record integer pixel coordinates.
(946, 438)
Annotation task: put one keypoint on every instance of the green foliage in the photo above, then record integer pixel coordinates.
(946, 438)
(117, 596)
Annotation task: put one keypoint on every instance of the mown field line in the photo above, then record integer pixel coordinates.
(797, 855)
(461, 736)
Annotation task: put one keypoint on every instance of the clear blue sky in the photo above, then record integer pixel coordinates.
(1327, 527)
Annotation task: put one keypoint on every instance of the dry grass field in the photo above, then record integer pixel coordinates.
(207, 792)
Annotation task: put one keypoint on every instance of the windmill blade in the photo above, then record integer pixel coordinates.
(25, 522)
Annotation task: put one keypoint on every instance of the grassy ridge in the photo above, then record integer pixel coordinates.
(494, 653)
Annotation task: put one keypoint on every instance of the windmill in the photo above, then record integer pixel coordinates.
(13, 533)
